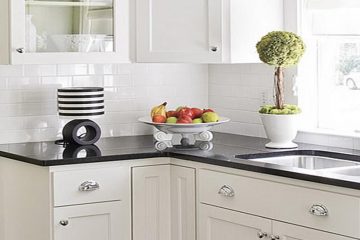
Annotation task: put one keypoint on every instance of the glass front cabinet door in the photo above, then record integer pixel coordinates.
(69, 31)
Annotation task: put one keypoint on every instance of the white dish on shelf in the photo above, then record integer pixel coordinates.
(182, 128)
(78, 42)
(66, 3)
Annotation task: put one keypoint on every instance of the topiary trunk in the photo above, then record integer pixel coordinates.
(279, 87)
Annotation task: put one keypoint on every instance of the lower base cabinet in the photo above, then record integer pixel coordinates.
(97, 221)
(221, 224)
(164, 203)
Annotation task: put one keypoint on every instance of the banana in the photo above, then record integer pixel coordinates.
(159, 110)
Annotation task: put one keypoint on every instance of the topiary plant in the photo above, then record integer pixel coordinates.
(280, 49)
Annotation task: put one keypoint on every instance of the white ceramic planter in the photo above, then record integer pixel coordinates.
(280, 129)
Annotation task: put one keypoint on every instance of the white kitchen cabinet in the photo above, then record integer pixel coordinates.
(163, 203)
(57, 31)
(182, 197)
(74, 202)
(204, 31)
(98, 221)
(222, 224)
(178, 31)
(281, 201)
(292, 232)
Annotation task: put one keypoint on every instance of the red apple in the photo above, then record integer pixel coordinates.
(184, 119)
(208, 110)
(159, 119)
(171, 114)
(186, 112)
(197, 112)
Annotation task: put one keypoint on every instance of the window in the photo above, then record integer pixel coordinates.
(331, 30)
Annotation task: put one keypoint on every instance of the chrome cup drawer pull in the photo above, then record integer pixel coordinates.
(64, 223)
(89, 186)
(319, 210)
(261, 234)
(274, 237)
(227, 191)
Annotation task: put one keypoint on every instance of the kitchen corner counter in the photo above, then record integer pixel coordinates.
(225, 147)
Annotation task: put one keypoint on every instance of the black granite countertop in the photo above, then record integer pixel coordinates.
(225, 147)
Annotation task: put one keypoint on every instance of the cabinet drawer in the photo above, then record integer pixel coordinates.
(90, 185)
(282, 202)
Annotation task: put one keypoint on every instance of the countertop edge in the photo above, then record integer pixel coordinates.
(205, 160)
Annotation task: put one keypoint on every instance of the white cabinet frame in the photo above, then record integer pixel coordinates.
(122, 39)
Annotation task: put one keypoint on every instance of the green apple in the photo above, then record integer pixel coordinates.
(210, 117)
(171, 120)
(197, 120)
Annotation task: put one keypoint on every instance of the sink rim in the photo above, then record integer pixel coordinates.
(315, 153)
(329, 156)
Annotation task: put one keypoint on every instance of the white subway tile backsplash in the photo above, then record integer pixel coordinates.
(40, 70)
(142, 129)
(7, 96)
(3, 82)
(72, 69)
(56, 81)
(23, 82)
(11, 110)
(39, 122)
(88, 81)
(11, 123)
(11, 70)
(29, 110)
(28, 95)
(114, 130)
(39, 95)
(117, 80)
(237, 91)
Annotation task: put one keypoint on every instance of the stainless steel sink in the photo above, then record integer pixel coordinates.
(310, 159)
(350, 171)
(307, 162)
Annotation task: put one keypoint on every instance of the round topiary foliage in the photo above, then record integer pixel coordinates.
(280, 48)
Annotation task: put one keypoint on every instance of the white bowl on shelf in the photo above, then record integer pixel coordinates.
(78, 42)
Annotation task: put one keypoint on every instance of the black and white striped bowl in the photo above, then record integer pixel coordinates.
(81, 102)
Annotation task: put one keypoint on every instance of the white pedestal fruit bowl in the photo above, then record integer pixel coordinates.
(199, 130)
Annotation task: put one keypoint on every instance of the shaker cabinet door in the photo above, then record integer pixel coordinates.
(179, 31)
(99, 221)
(221, 224)
(163, 203)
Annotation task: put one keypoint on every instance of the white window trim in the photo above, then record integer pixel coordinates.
(312, 134)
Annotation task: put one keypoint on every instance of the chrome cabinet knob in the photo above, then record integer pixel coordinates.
(64, 222)
(214, 48)
(318, 210)
(89, 186)
(274, 237)
(226, 191)
(20, 50)
(261, 234)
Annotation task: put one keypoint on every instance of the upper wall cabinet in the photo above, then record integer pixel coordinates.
(204, 31)
(65, 31)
